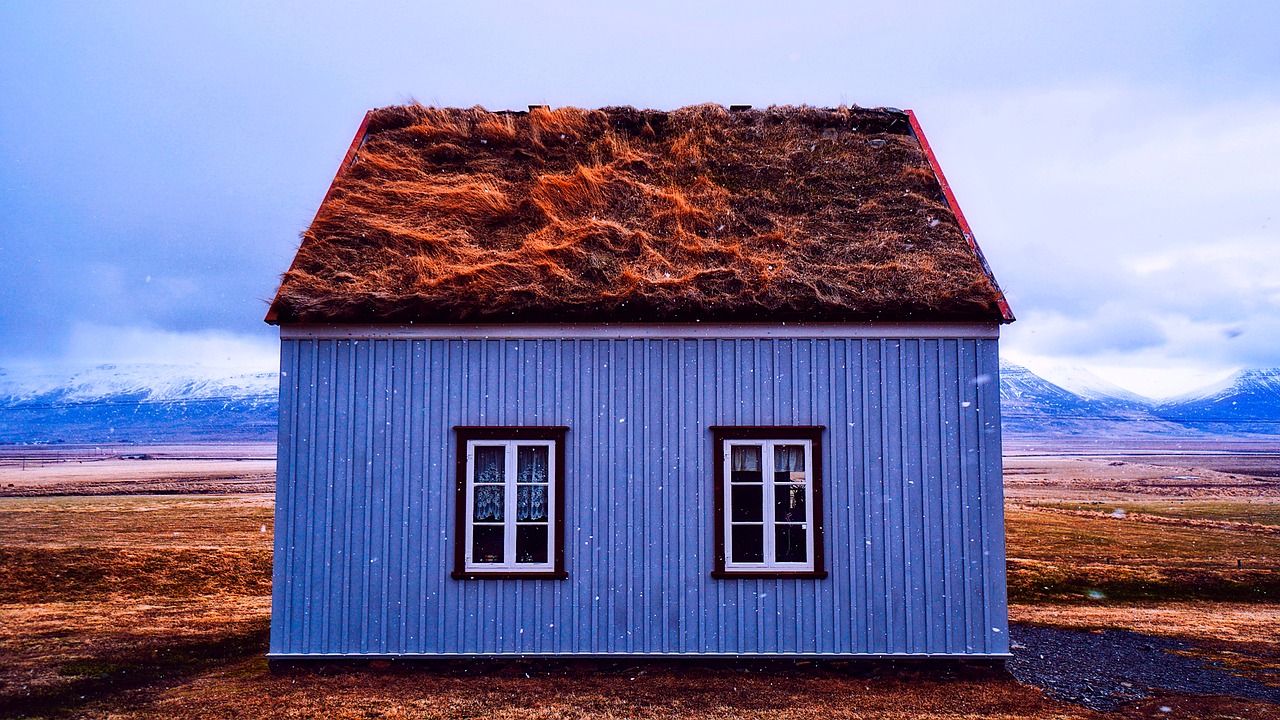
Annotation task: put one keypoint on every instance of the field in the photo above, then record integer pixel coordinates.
(137, 470)
(139, 588)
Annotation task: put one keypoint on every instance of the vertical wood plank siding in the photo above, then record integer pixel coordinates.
(913, 511)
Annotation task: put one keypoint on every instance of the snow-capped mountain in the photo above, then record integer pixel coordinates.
(139, 383)
(1022, 391)
(1249, 399)
(136, 403)
(1031, 406)
(1248, 403)
(1089, 386)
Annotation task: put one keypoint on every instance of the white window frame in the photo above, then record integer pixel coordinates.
(770, 524)
(509, 564)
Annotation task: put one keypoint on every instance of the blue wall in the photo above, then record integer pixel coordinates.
(912, 483)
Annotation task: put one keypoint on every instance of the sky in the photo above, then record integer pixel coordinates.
(1117, 160)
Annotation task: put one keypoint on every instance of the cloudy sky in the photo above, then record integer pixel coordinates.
(1117, 160)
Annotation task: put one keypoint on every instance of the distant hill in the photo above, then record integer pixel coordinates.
(1032, 407)
(1091, 387)
(1248, 401)
(138, 404)
(163, 403)
(1248, 404)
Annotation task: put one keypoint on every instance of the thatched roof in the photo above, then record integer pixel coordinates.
(699, 214)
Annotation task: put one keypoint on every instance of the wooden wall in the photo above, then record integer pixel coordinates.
(913, 505)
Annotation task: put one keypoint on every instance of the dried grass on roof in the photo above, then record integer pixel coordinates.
(451, 215)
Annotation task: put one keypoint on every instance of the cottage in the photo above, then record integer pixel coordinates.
(705, 382)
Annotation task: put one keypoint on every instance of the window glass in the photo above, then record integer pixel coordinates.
(789, 503)
(768, 501)
(747, 503)
(512, 499)
(748, 543)
(531, 543)
(790, 543)
(487, 543)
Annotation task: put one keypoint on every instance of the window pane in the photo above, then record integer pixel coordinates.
(788, 503)
(488, 503)
(531, 503)
(531, 543)
(486, 543)
(748, 543)
(788, 463)
(789, 543)
(745, 464)
(747, 502)
(531, 464)
(490, 463)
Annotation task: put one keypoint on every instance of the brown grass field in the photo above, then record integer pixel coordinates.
(156, 606)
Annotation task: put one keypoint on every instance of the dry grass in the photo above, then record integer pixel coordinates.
(97, 573)
(139, 522)
(1058, 479)
(788, 213)
(103, 595)
(1210, 621)
(1072, 557)
(1094, 529)
(56, 652)
(182, 632)
(90, 548)
(1262, 515)
(1142, 539)
(639, 692)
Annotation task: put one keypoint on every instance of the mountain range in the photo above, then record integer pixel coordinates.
(1245, 404)
(137, 404)
(164, 403)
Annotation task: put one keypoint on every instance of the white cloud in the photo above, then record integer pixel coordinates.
(1143, 375)
(1136, 232)
(209, 349)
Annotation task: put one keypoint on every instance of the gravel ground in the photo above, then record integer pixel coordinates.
(1102, 670)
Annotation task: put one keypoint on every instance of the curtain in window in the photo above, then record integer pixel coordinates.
(531, 464)
(531, 503)
(488, 503)
(746, 458)
(788, 458)
(490, 462)
(746, 464)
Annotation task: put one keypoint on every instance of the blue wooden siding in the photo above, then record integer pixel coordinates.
(913, 503)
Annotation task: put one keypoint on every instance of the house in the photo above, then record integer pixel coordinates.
(705, 382)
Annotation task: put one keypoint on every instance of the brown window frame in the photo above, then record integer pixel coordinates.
(811, 433)
(467, 433)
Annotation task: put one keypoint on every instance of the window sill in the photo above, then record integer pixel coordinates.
(769, 575)
(510, 575)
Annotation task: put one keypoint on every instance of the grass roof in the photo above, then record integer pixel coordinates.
(619, 214)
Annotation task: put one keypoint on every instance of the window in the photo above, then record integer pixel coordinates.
(510, 502)
(768, 486)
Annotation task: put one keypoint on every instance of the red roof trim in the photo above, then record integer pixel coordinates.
(347, 161)
(1005, 311)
